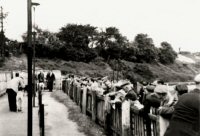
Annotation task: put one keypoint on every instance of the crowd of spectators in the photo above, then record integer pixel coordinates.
(177, 108)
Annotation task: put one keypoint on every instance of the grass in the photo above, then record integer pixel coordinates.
(99, 68)
(85, 123)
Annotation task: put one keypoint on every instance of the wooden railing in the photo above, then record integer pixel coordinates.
(123, 120)
(5, 76)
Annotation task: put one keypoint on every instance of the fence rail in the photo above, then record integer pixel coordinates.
(5, 76)
(121, 120)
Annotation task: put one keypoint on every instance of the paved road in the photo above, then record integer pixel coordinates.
(15, 124)
(56, 119)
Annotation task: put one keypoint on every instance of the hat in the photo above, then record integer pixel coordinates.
(105, 78)
(181, 87)
(144, 83)
(122, 83)
(150, 88)
(197, 78)
(161, 89)
(131, 95)
(156, 82)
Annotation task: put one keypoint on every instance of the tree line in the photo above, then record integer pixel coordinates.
(85, 42)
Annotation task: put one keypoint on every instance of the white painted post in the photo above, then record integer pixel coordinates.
(126, 130)
(84, 100)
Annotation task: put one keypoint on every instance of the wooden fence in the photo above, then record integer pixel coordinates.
(121, 120)
(5, 76)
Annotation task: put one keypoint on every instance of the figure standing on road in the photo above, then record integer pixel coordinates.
(50, 80)
(12, 90)
(20, 95)
(41, 81)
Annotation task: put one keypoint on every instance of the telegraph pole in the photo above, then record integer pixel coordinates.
(34, 43)
(2, 16)
(29, 55)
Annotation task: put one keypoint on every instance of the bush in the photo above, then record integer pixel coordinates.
(144, 72)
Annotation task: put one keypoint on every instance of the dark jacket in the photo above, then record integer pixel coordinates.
(185, 119)
(50, 78)
(41, 77)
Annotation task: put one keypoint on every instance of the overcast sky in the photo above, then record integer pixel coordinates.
(174, 21)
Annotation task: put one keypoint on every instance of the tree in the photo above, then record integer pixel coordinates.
(110, 43)
(166, 53)
(78, 36)
(146, 51)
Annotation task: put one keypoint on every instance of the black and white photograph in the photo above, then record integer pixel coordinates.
(99, 68)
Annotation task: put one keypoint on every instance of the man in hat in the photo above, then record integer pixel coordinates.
(50, 80)
(166, 108)
(125, 92)
(185, 120)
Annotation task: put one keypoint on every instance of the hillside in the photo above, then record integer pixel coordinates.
(180, 71)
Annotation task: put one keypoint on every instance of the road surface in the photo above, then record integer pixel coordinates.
(56, 119)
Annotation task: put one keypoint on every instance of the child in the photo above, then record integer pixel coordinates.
(20, 96)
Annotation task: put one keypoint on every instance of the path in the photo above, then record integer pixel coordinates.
(56, 119)
(15, 124)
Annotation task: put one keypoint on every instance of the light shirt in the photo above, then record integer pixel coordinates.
(14, 84)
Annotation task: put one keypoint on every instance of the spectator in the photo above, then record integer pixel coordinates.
(167, 101)
(181, 89)
(50, 80)
(41, 81)
(166, 108)
(20, 96)
(185, 120)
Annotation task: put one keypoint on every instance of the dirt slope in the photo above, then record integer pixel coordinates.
(178, 71)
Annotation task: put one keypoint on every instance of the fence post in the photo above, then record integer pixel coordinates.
(64, 86)
(71, 90)
(39, 97)
(42, 126)
(74, 92)
(68, 87)
(126, 129)
(84, 100)
(107, 116)
(94, 105)
(79, 95)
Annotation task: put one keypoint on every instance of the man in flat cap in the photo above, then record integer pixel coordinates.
(185, 120)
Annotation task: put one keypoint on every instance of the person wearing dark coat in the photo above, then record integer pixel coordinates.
(50, 80)
(185, 120)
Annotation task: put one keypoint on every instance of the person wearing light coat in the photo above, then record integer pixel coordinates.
(12, 90)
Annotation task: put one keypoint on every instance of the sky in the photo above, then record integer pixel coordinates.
(174, 21)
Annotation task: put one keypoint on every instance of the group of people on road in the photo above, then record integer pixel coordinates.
(50, 78)
(16, 86)
(178, 108)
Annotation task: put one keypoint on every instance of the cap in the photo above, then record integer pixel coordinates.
(197, 78)
(161, 89)
(150, 88)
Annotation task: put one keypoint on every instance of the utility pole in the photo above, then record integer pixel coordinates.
(2, 16)
(29, 56)
(34, 43)
(34, 34)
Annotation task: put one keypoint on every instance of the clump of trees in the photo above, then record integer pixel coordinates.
(85, 43)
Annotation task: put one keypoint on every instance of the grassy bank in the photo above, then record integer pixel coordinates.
(85, 124)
